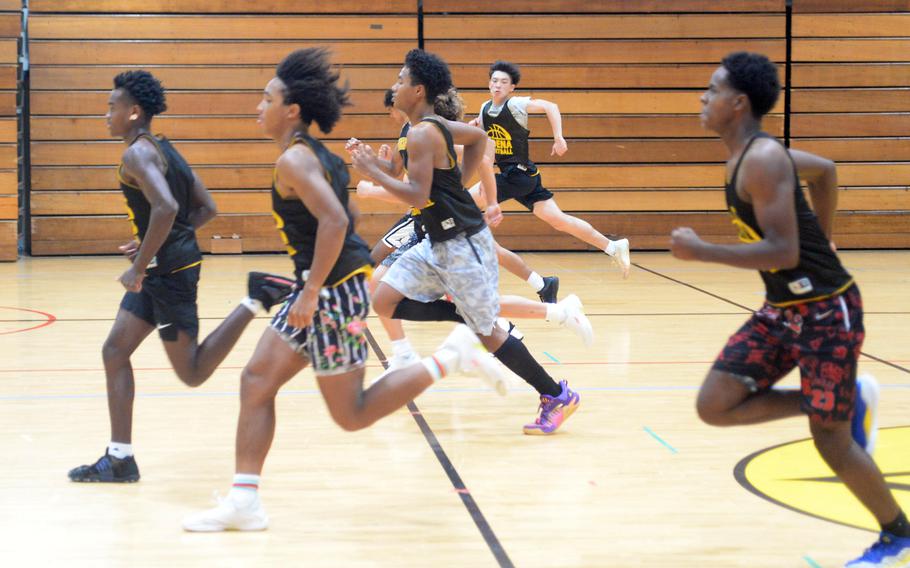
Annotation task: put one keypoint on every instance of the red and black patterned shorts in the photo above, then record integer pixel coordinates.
(822, 338)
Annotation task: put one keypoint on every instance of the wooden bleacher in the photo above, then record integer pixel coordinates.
(214, 67)
(10, 23)
(851, 70)
(638, 164)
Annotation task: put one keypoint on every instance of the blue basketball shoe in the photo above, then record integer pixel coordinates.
(889, 552)
(865, 415)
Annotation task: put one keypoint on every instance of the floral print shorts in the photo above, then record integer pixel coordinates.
(335, 342)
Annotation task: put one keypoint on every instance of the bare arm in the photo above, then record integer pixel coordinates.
(369, 190)
(493, 212)
(416, 190)
(555, 119)
(202, 206)
(474, 141)
(142, 163)
(821, 177)
(389, 161)
(768, 183)
(300, 170)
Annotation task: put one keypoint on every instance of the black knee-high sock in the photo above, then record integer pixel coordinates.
(514, 355)
(899, 526)
(438, 310)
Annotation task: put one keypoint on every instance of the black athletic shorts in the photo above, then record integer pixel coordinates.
(167, 301)
(522, 185)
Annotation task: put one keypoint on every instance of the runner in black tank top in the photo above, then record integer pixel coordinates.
(819, 273)
(298, 226)
(166, 203)
(323, 323)
(179, 250)
(459, 257)
(813, 317)
(505, 119)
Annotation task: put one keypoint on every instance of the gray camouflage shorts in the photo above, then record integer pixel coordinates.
(465, 268)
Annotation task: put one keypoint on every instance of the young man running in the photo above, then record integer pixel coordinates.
(813, 315)
(323, 323)
(458, 258)
(505, 119)
(166, 203)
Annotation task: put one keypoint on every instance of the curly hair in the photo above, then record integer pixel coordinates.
(755, 76)
(143, 88)
(430, 71)
(387, 99)
(310, 82)
(449, 105)
(508, 68)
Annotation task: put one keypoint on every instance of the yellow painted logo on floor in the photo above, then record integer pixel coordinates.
(794, 476)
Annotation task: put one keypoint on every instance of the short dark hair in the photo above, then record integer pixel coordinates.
(430, 71)
(754, 75)
(310, 82)
(387, 100)
(509, 68)
(449, 105)
(143, 88)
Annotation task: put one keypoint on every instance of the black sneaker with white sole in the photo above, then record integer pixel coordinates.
(107, 469)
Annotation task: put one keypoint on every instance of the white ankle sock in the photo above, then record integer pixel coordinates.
(245, 488)
(611, 248)
(254, 306)
(555, 313)
(401, 347)
(536, 281)
(441, 363)
(119, 450)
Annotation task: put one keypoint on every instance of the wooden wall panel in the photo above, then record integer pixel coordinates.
(851, 103)
(10, 24)
(626, 75)
(214, 57)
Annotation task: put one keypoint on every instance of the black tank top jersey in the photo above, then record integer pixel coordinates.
(180, 249)
(403, 150)
(819, 273)
(451, 210)
(297, 225)
(510, 137)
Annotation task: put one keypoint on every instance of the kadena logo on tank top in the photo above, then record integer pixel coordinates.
(502, 139)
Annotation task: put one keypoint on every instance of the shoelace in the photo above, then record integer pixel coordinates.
(543, 410)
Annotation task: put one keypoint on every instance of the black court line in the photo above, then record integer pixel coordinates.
(466, 498)
(750, 310)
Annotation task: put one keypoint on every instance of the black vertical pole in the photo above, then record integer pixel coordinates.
(23, 113)
(420, 24)
(788, 72)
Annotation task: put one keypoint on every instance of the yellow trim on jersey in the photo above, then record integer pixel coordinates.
(197, 263)
(365, 269)
(837, 292)
(131, 217)
(123, 181)
(746, 233)
(279, 224)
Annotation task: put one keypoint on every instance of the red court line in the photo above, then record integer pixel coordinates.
(50, 318)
